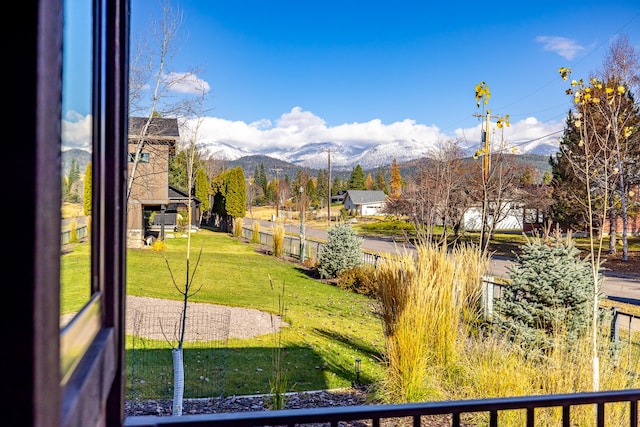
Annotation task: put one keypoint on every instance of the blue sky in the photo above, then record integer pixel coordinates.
(284, 73)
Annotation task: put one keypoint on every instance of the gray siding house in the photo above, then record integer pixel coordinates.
(365, 202)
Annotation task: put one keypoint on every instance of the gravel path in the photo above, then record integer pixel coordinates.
(203, 320)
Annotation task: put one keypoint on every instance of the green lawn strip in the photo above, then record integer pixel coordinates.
(75, 277)
(329, 328)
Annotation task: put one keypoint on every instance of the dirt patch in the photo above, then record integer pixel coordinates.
(614, 263)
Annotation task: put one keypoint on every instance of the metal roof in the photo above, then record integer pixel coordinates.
(364, 197)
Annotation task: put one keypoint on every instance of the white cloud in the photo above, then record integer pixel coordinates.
(298, 127)
(521, 136)
(76, 131)
(563, 46)
(187, 83)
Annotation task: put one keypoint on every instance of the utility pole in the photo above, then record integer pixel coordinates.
(486, 164)
(301, 212)
(277, 170)
(329, 189)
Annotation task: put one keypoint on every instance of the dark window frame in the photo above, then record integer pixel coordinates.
(92, 395)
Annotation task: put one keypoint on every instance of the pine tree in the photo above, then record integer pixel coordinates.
(356, 179)
(202, 191)
(381, 183)
(322, 187)
(551, 292)
(341, 252)
(261, 180)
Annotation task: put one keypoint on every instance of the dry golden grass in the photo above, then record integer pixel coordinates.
(435, 349)
(278, 239)
(422, 299)
(255, 232)
(237, 227)
(72, 210)
(316, 220)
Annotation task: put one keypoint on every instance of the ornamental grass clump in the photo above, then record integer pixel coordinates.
(255, 232)
(424, 300)
(237, 227)
(278, 240)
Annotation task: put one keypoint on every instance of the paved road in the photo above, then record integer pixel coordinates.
(622, 288)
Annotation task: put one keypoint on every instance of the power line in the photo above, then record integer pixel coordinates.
(591, 52)
(577, 62)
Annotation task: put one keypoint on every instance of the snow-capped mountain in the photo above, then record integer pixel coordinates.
(343, 156)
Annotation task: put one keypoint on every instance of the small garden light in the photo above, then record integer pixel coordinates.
(358, 370)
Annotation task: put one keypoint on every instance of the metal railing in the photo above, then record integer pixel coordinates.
(82, 231)
(375, 414)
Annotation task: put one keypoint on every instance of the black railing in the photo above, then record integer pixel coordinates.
(455, 410)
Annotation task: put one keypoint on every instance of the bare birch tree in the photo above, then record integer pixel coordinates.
(621, 66)
(598, 122)
(152, 82)
(190, 132)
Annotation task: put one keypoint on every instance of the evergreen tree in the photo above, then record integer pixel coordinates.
(74, 172)
(229, 196)
(202, 191)
(322, 187)
(312, 194)
(551, 292)
(569, 192)
(356, 179)
(341, 252)
(88, 188)
(337, 185)
(381, 183)
(178, 175)
(261, 179)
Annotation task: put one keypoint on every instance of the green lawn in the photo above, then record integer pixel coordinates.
(329, 328)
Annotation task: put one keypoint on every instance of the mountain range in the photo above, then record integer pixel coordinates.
(345, 157)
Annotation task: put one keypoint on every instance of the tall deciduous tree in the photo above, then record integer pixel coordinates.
(88, 190)
(368, 183)
(600, 120)
(152, 83)
(621, 68)
(395, 183)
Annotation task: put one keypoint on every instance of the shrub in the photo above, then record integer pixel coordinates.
(551, 292)
(182, 222)
(341, 252)
(159, 245)
(360, 280)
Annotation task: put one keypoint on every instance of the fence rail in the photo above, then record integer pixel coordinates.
(82, 231)
(491, 288)
(376, 414)
(416, 412)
